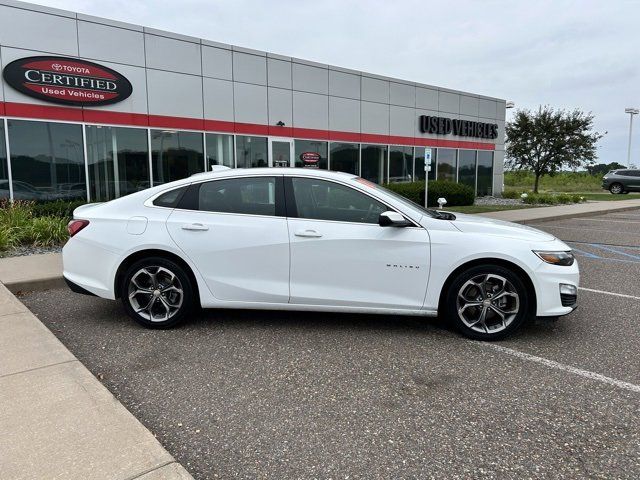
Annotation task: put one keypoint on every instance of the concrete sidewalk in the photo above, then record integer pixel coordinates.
(57, 420)
(539, 214)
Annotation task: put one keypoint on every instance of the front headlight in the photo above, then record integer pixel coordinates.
(556, 258)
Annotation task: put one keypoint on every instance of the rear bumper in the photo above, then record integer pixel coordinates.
(74, 287)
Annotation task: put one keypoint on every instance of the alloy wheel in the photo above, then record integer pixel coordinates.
(488, 303)
(155, 293)
(616, 188)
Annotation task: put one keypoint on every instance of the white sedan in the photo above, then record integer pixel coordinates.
(301, 239)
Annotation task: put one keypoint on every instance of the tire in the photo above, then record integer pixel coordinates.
(487, 302)
(165, 293)
(616, 188)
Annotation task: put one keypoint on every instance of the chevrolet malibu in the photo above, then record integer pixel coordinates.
(304, 239)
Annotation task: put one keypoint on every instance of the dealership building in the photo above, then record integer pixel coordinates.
(94, 109)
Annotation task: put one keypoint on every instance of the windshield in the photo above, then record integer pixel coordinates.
(400, 198)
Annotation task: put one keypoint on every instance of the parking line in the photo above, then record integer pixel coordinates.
(613, 250)
(578, 228)
(566, 368)
(586, 219)
(609, 293)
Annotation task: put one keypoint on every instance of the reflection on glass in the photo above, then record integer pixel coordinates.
(467, 167)
(400, 164)
(311, 147)
(447, 164)
(344, 157)
(281, 153)
(4, 172)
(118, 160)
(47, 161)
(251, 152)
(374, 162)
(485, 173)
(175, 155)
(219, 150)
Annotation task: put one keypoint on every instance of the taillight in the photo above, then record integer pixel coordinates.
(74, 226)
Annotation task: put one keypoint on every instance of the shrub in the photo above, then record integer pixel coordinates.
(457, 194)
(46, 231)
(56, 208)
(551, 199)
(511, 194)
(7, 239)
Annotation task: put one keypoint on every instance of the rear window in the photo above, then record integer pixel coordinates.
(171, 198)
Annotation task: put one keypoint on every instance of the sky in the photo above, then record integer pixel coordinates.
(567, 54)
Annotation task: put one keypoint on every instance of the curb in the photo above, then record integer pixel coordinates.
(46, 283)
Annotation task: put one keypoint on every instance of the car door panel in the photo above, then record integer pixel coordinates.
(242, 257)
(351, 263)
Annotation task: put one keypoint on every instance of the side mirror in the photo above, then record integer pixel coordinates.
(392, 219)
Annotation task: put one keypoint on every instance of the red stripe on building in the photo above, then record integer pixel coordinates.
(46, 112)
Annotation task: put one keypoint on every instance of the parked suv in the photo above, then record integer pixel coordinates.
(622, 181)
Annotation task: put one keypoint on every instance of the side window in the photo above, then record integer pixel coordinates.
(171, 198)
(251, 196)
(323, 200)
(635, 173)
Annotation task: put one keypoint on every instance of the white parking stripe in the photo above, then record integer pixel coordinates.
(566, 368)
(586, 219)
(609, 293)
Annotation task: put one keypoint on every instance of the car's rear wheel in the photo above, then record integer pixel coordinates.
(157, 292)
(487, 302)
(616, 188)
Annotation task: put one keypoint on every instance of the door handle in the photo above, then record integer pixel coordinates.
(196, 227)
(308, 233)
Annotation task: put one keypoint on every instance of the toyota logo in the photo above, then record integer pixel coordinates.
(56, 66)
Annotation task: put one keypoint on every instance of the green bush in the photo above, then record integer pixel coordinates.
(56, 208)
(21, 223)
(46, 231)
(457, 194)
(552, 199)
(511, 194)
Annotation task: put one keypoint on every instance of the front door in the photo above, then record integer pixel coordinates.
(341, 256)
(280, 152)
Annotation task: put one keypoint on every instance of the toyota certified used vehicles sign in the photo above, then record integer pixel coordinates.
(67, 81)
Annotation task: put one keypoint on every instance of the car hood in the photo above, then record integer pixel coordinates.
(489, 226)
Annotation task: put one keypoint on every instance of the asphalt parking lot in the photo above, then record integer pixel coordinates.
(297, 395)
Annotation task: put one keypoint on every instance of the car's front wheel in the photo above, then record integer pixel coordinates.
(616, 188)
(487, 302)
(157, 292)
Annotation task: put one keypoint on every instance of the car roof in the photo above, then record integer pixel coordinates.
(289, 171)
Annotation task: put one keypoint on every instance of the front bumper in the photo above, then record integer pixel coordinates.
(550, 302)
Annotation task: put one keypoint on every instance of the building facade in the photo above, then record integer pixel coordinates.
(94, 109)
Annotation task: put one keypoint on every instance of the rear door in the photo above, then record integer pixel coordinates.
(341, 256)
(235, 232)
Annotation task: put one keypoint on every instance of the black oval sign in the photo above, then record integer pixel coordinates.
(67, 81)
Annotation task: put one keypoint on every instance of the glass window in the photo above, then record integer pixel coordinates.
(323, 200)
(467, 168)
(175, 155)
(219, 150)
(47, 161)
(419, 163)
(251, 152)
(344, 157)
(485, 173)
(374, 163)
(447, 164)
(118, 160)
(311, 161)
(252, 196)
(171, 198)
(400, 164)
(4, 172)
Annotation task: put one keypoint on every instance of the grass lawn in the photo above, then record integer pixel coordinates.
(607, 197)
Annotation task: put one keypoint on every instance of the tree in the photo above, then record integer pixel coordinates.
(548, 140)
(604, 168)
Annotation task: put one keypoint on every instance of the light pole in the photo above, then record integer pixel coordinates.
(631, 111)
